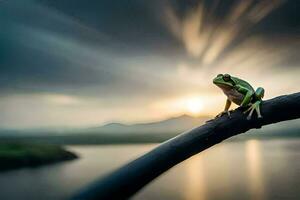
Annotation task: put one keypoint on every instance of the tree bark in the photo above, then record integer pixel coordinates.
(127, 180)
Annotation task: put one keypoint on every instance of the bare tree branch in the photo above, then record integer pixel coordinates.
(127, 180)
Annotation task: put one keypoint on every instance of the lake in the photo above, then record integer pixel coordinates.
(252, 169)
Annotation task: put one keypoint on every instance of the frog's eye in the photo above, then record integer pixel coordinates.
(226, 77)
(219, 75)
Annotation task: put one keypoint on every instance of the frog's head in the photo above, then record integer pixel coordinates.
(224, 81)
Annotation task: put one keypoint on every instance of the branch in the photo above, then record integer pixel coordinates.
(127, 180)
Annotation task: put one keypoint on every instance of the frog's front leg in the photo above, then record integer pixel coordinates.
(226, 110)
(259, 94)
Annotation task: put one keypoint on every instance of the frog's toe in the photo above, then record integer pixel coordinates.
(250, 114)
(248, 109)
(251, 109)
(259, 115)
(222, 113)
(219, 115)
(228, 114)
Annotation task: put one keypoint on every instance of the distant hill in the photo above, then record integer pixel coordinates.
(172, 125)
(112, 133)
(154, 132)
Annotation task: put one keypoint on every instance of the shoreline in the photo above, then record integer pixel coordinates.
(21, 155)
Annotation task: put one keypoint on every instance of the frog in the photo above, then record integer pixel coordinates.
(241, 93)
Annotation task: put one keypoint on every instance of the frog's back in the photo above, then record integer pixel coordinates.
(243, 83)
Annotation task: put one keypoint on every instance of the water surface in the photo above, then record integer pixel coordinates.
(250, 169)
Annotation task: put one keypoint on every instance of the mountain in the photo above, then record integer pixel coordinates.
(154, 132)
(112, 133)
(172, 125)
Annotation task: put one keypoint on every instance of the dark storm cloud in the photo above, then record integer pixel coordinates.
(132, 22)
(284, 19)
(225, 25)
(59, 45)
(42, 67)
(53, 47)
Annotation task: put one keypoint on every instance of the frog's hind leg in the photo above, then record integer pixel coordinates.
(255, 106)
(259, 94)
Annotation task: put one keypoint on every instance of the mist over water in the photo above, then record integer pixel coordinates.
(252, 169)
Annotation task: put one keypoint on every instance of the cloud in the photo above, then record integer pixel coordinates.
(114, 59)
(208, 31)
(51, 50)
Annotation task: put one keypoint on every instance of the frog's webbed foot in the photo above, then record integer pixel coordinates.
(224, 112)
(255, 106)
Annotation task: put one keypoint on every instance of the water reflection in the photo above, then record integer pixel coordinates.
(254, 164)
(195, 179)
(267, 169)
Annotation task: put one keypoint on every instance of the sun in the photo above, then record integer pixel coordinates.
(194, 105)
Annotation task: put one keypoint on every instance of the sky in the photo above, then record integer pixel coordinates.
(72, 63)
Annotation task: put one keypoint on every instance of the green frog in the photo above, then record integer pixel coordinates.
(241, 93)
